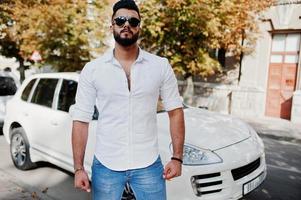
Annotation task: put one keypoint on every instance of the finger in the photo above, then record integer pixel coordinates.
(171, 174)
(87, 186)
(78, 184)
(166, 171)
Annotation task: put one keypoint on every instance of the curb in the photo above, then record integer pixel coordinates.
(275, 128)
(283, 138)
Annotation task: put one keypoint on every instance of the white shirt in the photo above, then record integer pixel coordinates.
(126, 136)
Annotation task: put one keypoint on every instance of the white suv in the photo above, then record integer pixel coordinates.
(223, 157)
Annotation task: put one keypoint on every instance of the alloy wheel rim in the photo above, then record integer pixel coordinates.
(18, 149)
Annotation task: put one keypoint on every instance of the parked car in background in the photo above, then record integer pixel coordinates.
(8, 87)
(223, 157)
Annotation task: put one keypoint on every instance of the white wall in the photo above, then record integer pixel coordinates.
(250, 99)
(296, 108)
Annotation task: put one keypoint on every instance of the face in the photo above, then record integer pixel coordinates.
(125, 27)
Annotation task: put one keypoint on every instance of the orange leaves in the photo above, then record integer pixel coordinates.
(65, 32)
(186, 31)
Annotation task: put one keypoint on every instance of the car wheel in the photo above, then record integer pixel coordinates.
(19, 150)
(128, 193)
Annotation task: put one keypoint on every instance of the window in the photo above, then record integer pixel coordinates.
(292, 42)
(26, 91)
(67, 95)
(44, 92)
(7, 86)
(285, 48)
(278, 44)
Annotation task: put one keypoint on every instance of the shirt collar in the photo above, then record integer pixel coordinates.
(109, 56)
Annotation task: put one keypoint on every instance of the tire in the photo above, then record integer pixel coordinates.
(19, 150)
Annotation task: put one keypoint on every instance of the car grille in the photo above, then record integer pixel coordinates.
(245, 170)
(206, 184)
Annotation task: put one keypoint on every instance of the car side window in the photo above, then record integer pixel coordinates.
(44, 92)
(27, 89)
(7, 86)
(67, 95)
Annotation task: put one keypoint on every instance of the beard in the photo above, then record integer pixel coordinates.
(126, 41)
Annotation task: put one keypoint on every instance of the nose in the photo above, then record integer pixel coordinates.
(126, 23)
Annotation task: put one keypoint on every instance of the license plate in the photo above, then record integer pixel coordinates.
(251, 185)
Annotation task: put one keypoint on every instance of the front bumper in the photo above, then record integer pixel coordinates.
(216, 182)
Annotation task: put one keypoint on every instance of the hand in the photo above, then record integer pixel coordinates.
(81, 181)
(172, 169)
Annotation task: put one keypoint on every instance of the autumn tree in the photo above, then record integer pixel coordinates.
(234, 25)
(67, 33)
(8, 45)
(188, 31)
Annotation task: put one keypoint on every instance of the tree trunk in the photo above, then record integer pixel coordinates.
(222, 56)
(241, 56)
(22, 70)
(240, 66)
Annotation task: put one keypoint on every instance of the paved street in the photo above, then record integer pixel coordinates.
(283, 155)
(47, 182)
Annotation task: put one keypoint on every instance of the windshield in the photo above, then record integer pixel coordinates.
(7, 86)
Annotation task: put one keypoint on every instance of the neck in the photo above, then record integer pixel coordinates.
(126, 53)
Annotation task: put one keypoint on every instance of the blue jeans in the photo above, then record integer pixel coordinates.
(146, 183)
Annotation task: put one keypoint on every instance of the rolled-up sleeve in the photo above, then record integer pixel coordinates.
(169, 91)
(85, 97)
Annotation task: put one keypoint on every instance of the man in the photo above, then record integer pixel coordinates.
(125, 85)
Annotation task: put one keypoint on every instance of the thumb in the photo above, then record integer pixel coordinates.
(86, 185)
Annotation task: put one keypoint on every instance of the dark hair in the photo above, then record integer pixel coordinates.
(128, 4)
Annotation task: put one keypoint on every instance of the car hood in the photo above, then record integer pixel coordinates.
(209, 130)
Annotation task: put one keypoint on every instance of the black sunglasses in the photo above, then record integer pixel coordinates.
(133, 21)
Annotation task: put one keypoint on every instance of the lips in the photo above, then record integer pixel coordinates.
(126, 31)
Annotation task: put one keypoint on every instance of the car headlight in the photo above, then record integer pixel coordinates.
(197, 156)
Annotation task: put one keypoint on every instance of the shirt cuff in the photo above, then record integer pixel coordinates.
(80, 115)
(173, 104)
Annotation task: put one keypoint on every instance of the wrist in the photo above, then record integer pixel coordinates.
(78, 169)
(177, 159)
(178, 154)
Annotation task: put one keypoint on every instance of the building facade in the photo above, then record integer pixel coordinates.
(270, 81)
(271, 77)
